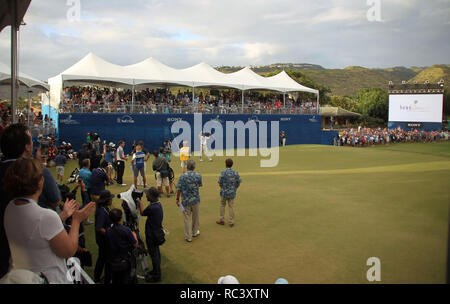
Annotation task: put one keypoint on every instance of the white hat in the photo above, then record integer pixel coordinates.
(22, 276)
(281, 281)
(229, 279)
(111, 144)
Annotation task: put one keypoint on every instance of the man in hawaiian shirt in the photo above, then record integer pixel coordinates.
(187, 187)
(229, 181)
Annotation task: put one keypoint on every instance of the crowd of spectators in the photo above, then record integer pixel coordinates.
(42, 129)
(365, 137)
(39, 125)
(105, 100)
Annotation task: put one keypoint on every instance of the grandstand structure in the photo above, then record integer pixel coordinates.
(152, 123)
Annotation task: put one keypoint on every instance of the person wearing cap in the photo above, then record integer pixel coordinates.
(281, 281)
(108, 153)
(154, 214)
(121, 159)
(138, 163)
(121, 241)
(60, 162)
(99, 179)
(187, 187)
(140, 181)
(83, 153)
(102, 223)
(161, 166)
(184, 156)
(229, 279)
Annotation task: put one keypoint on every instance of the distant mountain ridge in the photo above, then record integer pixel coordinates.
(350, 80)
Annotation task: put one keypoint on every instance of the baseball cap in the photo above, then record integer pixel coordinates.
(229, 279)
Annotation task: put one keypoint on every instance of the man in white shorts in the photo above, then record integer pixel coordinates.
(184, 156)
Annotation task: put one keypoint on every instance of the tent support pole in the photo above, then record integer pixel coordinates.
(193, 94)
(284, 100)
(29, 107)
(132, 98)
(14, 30)
(318, 105)
(242, 101)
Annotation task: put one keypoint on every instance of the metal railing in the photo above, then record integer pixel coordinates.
(191, 109)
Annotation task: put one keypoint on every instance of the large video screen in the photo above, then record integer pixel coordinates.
(416, 108)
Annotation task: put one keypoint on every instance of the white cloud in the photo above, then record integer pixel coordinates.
(332, 33)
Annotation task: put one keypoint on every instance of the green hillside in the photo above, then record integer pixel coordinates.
(434, 74)
(349, 81)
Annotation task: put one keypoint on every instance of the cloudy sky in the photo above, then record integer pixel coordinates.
(181, 33)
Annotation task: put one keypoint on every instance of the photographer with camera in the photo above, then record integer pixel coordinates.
(82, 154)
(102, 223)
(154, 233)
(161, 166)
(82, 253)
(121, 241)
(96, 142)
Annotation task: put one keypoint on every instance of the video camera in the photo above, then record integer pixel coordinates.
(131, 207)
(131, 220)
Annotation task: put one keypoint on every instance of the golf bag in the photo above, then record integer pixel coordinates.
(131, 220)
(73, 176)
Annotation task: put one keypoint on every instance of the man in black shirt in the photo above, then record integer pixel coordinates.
(16, 142)
(121, 241)
(83, 153)
(153, 225)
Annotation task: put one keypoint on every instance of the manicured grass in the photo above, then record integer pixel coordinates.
(315, 218)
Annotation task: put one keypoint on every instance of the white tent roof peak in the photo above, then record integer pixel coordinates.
(94, 69)
(29, 81)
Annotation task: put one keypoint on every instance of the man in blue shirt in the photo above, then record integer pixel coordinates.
(154, 214)
(108, 153)
(138, 165)
(99, 178)
(187, 187)
(85, 174)
(229, 181)
(60, 161)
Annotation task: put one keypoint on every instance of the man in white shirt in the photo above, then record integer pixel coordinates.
(121, 158)
(203, 147)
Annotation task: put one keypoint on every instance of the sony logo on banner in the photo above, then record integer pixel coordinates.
(125, 120)
(414, 125)
(69, 121)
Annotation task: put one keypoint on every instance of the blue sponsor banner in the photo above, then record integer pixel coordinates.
(153, 129)
(425, 126)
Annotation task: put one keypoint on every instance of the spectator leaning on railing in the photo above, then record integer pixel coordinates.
(91, 99)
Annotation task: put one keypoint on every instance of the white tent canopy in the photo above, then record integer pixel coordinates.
(93, 69)
(27, 83)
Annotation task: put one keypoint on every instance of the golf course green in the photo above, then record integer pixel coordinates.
(315, 218)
